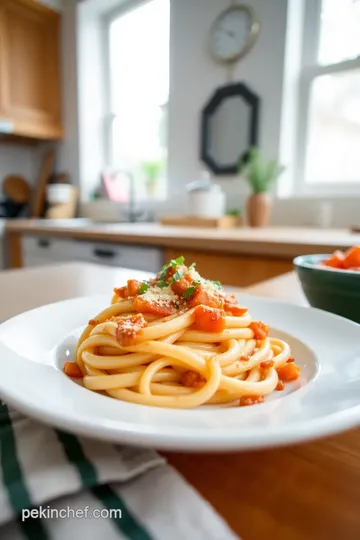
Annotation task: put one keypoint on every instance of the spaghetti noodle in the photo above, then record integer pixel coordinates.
(179, 341)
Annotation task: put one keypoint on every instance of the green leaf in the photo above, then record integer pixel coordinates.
(196, 282)
(177, 262)
(161, 284)
(144, 287)
(192, 265)
(218, 284)
(259, 174)
(178, 275)
(189, 292)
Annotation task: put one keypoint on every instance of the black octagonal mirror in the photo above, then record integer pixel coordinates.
(229, 128)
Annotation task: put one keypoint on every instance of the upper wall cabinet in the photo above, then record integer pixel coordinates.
(29, 70)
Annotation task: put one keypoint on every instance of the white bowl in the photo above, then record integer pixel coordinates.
(59, 193)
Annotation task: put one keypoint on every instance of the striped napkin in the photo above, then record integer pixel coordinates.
(56, 486)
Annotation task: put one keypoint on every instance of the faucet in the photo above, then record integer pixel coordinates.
(133, 215)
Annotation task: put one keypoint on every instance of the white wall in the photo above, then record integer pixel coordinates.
(195, 76)
(16, 159)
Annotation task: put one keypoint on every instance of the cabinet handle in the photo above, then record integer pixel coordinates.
(43, 243)
(104, 253)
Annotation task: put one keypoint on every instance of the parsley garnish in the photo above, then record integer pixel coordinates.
(177, 262)
(162, 284)
(178, 275)
(174, 262)
(192, 265)
(189, 292)
(218, 284)
(144, 287)
(196, 282)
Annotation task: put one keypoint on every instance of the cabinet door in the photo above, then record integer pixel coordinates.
(30, 68)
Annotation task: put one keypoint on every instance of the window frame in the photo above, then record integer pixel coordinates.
(109, 116)
(310, 69)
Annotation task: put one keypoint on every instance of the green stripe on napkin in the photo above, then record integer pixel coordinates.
(107, 496)
(14, 483)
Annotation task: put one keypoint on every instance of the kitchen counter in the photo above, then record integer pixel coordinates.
(240, 257)
(284, 242)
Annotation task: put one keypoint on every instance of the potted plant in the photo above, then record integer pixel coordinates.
(261, 176)
(152, 171)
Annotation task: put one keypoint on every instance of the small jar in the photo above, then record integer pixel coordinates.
(206, 199)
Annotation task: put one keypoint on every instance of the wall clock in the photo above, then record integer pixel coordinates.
(233, 34)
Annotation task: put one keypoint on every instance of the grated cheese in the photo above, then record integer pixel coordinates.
(160, 297)
(210, 287)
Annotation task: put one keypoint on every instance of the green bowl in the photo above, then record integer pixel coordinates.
(337, 291)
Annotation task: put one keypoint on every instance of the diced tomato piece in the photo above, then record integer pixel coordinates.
(133, 287)
(173, 269)
(206, 298)
(280, 386)
(143, 306)
(128, 328)
(260, 329)
(192, 379)
(336, 260)
(209, 319)
(236, 311)
(250, 400)
(71, 369)
(231, 299)
(122, 292)
(180, 286)
(267, 364)
(289, 372)
(291, 359)
(352, 257)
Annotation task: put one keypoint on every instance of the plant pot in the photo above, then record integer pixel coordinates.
(258, 209)
(151, 188)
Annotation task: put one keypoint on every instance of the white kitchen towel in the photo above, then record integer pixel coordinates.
(55, 486)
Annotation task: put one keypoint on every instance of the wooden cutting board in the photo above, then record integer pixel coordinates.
(17, 189)
(224, 222)
(45, 172)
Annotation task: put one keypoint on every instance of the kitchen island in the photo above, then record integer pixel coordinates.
(241, 256)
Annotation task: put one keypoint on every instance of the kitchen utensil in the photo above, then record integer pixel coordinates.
(16, 189)
(45, 172)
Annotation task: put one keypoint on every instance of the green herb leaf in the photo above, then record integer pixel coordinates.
(177, 262)
(178, 275)
(196, 282)
(144, 287)
(192, 265)
(161, 284)
(218, 284)
(189, 292)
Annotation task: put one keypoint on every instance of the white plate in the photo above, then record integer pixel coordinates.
(325, 400)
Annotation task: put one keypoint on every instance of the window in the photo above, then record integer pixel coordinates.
(138, 49)
(329, 108)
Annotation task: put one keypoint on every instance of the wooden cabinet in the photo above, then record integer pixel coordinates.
(29, 70)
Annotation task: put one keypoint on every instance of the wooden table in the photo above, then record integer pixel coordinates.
(309, 491)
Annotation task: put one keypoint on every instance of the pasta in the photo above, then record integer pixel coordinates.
(178, 341)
